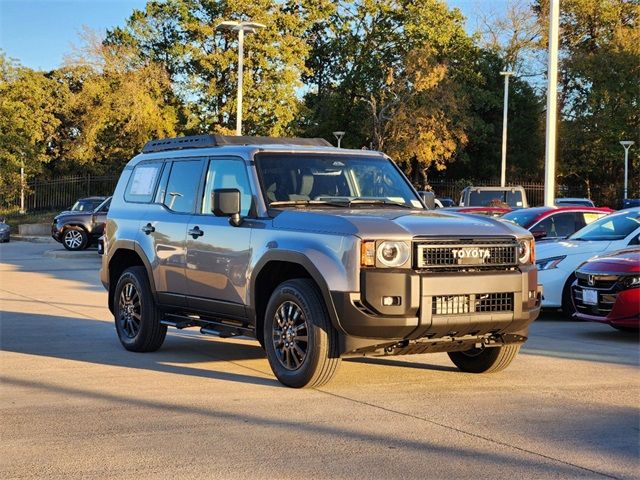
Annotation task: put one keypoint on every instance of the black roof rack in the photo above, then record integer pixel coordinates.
(204, 141)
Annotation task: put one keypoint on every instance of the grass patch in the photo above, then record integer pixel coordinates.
(14, 219)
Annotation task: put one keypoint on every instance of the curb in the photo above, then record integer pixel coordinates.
(32, 239)
(66, 254)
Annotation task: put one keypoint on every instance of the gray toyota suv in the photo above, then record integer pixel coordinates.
(315, 251)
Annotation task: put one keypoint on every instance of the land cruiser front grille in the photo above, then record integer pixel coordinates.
(466, 255)
(472, 303)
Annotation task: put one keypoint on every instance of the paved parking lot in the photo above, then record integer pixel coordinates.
(74, 404)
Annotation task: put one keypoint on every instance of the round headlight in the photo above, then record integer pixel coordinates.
(393, 254)
(524, 251)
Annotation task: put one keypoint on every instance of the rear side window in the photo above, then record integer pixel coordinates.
(182, 187)
(142, 183)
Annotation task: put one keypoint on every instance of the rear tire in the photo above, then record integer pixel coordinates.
(301, 343)
(485, 359)
(136, 315)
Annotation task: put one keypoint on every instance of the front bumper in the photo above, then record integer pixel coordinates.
(625, 311)
(4, 235)
(438, 306)
(56, 233)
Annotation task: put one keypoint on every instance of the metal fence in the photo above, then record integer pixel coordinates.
(452, 189)
(62, 192)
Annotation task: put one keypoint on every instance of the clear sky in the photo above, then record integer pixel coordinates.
(39, 33)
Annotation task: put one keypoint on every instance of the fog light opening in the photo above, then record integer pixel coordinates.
(391, 301)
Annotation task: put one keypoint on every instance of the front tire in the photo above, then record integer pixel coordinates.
(301, 343)
(136, 315)
(74, 239)
(568, 308)
(485, 359)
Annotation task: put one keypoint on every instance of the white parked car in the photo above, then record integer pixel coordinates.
(557, 261)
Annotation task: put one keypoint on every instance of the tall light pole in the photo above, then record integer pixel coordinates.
(338, 136)
(627, 145)
(22, 210)
(552, 106)
(241, 28)
(503, 168)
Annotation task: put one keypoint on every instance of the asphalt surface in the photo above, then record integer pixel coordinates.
(74, 404)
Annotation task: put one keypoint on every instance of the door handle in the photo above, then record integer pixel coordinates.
(148, 228)
(195, 232)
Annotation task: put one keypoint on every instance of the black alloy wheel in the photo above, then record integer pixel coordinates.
(290, 335)
(129, 310)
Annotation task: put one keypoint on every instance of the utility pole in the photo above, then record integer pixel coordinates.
(241, 28)
(627, 145)
(338, 136)
(503, 168)
(552, 106)
(22, 210)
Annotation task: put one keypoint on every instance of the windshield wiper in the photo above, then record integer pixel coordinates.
(377, 201)
(294, 203)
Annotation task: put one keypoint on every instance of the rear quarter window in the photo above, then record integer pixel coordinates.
(142, 183)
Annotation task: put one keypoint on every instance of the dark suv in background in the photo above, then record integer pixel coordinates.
(315, 251)
(77, 229)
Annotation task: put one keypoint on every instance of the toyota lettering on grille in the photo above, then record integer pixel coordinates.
(471, 255)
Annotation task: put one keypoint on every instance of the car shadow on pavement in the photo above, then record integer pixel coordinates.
(95, 341)
(390, 361)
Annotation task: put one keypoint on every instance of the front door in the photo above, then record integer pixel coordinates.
(218, 253)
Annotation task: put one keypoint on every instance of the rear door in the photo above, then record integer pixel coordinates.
(218, 253)
(164, 227)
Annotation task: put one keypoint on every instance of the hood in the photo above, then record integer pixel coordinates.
(569, 247)
(620, 261)
(392, 223)
(67, 214)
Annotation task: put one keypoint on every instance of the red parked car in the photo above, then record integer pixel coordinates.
(607, 289)
(553, 223)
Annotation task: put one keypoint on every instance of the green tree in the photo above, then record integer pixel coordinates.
(202, 62)
(116, 104)
(29, 106)
(599, 94)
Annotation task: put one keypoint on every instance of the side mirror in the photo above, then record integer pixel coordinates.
(538, 233)
(429, 199)
(225, 202)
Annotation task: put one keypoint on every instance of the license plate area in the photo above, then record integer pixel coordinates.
(589, 296)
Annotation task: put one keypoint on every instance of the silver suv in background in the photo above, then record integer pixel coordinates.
(513, 197)
(315, 251)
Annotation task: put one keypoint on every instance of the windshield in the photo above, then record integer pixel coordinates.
(611, 227)
(495, 198)
(289, 178)
(86, 204)
(524, 217)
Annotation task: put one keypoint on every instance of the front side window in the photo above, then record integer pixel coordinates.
(335, 179)
(182, 186)
(227, 173)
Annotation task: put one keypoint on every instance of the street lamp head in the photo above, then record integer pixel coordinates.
(338, 135)
(627, 143)
(246, 27)
(507, 73)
